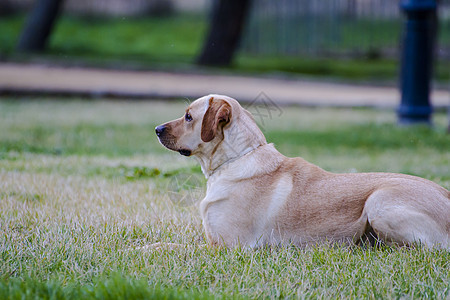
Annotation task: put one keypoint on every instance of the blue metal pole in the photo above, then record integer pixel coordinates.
(417, 61)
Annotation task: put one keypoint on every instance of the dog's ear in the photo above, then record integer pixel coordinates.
(217, 114)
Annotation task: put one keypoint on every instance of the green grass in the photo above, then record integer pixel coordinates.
(115, 286)
(174, 42)
(82, 183)
(148, 39)
(151, 39)
(355, 69)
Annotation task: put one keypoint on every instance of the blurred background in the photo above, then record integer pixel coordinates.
(358, 39)
(343, 41)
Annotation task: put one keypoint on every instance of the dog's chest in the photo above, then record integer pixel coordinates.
(243, 214)
(227, 215)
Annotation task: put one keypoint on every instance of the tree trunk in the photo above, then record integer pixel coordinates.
(39, 26)
(228, 18)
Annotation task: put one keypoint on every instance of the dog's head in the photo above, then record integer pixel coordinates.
(214, 128)
(203, 120)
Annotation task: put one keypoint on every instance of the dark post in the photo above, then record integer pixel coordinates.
(39, 25)
(417, 61)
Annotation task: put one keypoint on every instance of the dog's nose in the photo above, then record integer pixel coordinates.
(159, 130)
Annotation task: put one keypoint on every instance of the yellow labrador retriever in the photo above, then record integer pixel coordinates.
(257, 196)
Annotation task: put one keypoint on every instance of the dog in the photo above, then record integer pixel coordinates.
(256, 196)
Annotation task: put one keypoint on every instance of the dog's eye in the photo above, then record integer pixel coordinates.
(188, 117)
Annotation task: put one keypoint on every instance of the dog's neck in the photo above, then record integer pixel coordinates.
(212, 171)
(219, 159)
(223, 153)
(238, 138)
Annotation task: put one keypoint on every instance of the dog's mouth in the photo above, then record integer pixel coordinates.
(185, 152)
(171, 145)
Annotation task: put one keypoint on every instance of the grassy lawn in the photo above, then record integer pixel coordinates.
(174, 42)
(151, 41)
(84, 182)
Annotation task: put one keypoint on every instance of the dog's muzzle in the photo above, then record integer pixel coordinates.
(160, 132)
